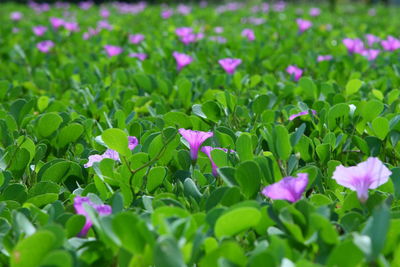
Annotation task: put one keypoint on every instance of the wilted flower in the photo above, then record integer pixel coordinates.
(369, 174)
(230, 64)
(136, 38)
(195, 140)
(289, 188)
(292, 117)
(353, 45)
(315, 11)
(249, 34)
(390, 44)
(102, 210)
(324, 58)
(182, 60)
(294, 71)
(371, 39)
(39, 30)
(113, 50)
(140, 56)
(45, 46)
(207, 150)
(303, 24)
(16, 16)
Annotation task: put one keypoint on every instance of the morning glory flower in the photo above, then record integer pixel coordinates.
(140, 56)
(167, 13)
(39, 30)
(183, 31)
(207, 150)
(324, 58)
(294, 71)
(353, 45)
(45, 46)
(303, 24)
(16, 16)
(370, 54)
(113, 50)
(230, 64)
(56, 22)
(371, 39)
(71, 26)
(136, 38)
(292, 117)
(249, 34)
(195, 140)
(315, 11)
(390, 44)
(369, 174)
(289, 188)
(218, 29)
(105, 13)
(102, 210)
(182, 60)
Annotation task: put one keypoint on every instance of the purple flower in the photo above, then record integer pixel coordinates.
(218, 39)
(294, 71)
(16, 16)
(184, 9)
(249, 34)
(370, 54)
(303, 24)
(39, 30)
(371, 39)
(132, 142)
(56, 22)
(218, 29)
(45, 46)
(230, 64)
(105, 13)
(315, 11)
(113, 50)
(136, 38)
(324, 58)
(292, 117)
(182, 60)
(86, 5)
(183, 31)
(102, 210)
(390, 44)
(207, 150)
(369, 174)
(140, 56)
(289, 188)
(353, 45)
(71, 26)
(167, 13)
(104, 24)
(195, 140)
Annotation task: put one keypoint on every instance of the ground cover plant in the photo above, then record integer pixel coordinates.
(264, 134)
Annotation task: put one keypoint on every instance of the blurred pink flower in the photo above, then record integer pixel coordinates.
(353, 45)
(303, 24)
(104, 13)
(136, 38)
(56, 22)
(315, 11)
(390, 44)
(249, 34)
(39, 30)
(289, 188)
(167, 13)
(230, 64)
(294, 71)
(16, 16)
(302, 113)
(370, 54)
(182, 60)
(371, 39)
(324, 58)
(113, 50)
(140, 56)
(195, 140)
(45, 46)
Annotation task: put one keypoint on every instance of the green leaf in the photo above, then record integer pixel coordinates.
(353, 86)
(236, 221)
(69, 134)
(244, 147)
(282, 142)
(48, 124)
(248, 177)
(340, 255)
(155, 178)
(117, 140)
(168, 253)
(381, 128)
(125, 227)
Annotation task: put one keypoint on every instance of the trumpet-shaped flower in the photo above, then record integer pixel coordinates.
(39, 30)
(167, 13)
(195, 140)
(113, 50)
(16, 16)
(369, 174)
(353, 45)
(292, 117)
(136, 38)
(324, 58)
(371, 39)
(249, 34)
(45, 46)
(289, 188)
(294, 71)
(182, 60)
(102, 210)
(303, 24)
(370, 54)
(56, 22)
(390, 44)
(315, 12)
(207, 150)
(230, 64)
(140, 56)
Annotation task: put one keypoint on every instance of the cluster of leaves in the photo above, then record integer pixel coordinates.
(59, 108)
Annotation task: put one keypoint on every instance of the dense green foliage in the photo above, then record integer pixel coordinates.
(58, 108)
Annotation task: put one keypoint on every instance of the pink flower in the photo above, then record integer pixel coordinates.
(289, 188)
(230, 64)
(136, 38)
(370, 54)
(56, 22)
(104, 13)
(218, 29)
(303, 24)
(183, 31)
(294, 71)
(302, 113)
(86, 5)
(45, 46)
(167, 13)
(371, 39)
(39, 30)
(104, 24)
(324, 58)
(71, 26)
(315, 11)
(207, 150)
(249, 34)
(353, 45)
(184, 9)
(369, 174)
(16, 16)
(390, 44)
(218, 39)
(182, 60)
(140, 56)
(113, 50)
(102, 210)
(195, 140)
